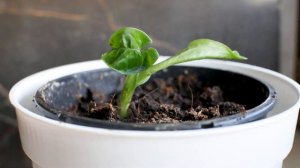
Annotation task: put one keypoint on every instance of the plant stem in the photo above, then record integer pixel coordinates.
(162, 65)
(126, 94)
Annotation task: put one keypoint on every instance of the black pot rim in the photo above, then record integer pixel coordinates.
(250, 115)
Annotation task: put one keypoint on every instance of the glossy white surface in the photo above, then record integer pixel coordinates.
(260, 144)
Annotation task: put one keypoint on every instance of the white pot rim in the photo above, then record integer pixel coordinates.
(146, 134)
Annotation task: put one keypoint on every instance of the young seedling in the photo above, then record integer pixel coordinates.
(130, 56)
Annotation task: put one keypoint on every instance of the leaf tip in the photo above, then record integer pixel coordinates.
(237, 55)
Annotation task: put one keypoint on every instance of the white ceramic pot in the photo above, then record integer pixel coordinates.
(260, 144)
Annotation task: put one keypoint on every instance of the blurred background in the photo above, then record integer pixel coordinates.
(39, 34)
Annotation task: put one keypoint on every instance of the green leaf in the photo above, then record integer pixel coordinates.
(129, 55)
(206, 48)
(197, 50)
(129, 37)
(124, 60)
(150, 55)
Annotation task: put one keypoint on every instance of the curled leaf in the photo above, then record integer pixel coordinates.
(123, 60)
(150, 55)
(129, 37)
(128, 54)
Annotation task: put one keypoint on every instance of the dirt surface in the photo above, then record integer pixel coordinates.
(171, 100)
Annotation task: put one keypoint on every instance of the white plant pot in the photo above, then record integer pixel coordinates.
(260, 144)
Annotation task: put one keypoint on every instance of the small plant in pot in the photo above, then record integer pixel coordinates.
(177, 98)
(139, 113)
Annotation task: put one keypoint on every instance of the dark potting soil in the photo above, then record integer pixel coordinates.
(171, 100)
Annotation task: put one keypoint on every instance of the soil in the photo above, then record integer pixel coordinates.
(171, 100)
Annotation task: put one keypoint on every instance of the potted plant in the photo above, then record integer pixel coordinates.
(166, 136)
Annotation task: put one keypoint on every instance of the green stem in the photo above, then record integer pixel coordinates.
(126, 95)
(157, 67)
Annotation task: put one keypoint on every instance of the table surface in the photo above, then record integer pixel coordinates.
(293, 159)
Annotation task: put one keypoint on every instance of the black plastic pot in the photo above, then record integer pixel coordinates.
(58, 98)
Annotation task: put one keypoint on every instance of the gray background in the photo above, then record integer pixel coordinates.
(38, 34)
